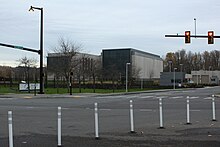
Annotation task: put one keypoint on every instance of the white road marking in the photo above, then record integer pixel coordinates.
(176, 97)
(194, 97)
(146, 110)
(208, 98)
(162, 97)
(195, 110)
(145, 97)
(65, 108)
(105, 109)
(7, 98)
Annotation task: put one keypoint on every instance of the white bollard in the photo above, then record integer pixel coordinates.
(10, 128)
(161, 113)
(213, 108)
(59, 126)
(132, 117)
(187, 111)
(96, 122)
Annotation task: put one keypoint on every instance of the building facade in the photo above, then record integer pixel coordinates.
(168, 78)
(80, 64)
(143, 65)
(205, 77)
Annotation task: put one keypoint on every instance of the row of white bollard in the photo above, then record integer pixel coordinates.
(188, 110)
(97, 121)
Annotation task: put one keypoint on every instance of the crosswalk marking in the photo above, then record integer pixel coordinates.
(176, 97)
(145, 97)
(145, 110)
(152, 97)
(194, 97)
(207, 98)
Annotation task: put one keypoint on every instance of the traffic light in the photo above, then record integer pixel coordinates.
(187, 36)
(210, 37)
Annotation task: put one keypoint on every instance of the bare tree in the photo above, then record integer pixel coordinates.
(65, 63)
(28, 63)
(194, 61)
(5, 74)
(96, 69)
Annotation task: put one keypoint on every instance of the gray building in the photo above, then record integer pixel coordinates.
(167, 78)
(61, 64)
(205, 77)
(143, 65)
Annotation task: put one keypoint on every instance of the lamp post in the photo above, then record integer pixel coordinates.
(41, 47)
(195, 26)
(181, 70)
(127, 76)
(181, 67)
(70, 84)
(174, 78)
(170, 62)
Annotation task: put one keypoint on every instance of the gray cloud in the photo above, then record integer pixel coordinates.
(102, 24)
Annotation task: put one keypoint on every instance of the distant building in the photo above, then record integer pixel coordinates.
(143, 65)
(167, 78)
(58, 64)
(205, 77)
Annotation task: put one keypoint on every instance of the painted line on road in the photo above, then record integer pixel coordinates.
(99, 109)
(105, 109)
(30, 107)
(65, 108)
(176, 97)
(77, 96)
(195, 110)
(27, 97)
(145, 97)
(194, 97)
(8, 98)
(189, 91)
(208, 98)
(162, 97)
(145, 110)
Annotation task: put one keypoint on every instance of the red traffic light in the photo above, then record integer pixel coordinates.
(210, 37)
(210, 33)
(187, 36)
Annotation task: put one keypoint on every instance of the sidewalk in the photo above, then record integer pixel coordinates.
(79, 95)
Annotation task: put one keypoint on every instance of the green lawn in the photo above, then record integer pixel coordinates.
(7, 89)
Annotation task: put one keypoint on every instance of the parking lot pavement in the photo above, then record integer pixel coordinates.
(131, 140)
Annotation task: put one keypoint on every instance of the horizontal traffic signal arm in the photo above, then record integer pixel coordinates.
(20, 47)
(196, 36)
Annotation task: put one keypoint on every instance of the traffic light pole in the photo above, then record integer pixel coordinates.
(20, 47)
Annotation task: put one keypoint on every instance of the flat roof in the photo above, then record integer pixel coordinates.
(132, 49)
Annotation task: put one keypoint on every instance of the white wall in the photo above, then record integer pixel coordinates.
(150, 66)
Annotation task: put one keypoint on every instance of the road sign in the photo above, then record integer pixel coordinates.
(19, 47)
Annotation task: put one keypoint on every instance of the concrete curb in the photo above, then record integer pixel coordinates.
(81, 95)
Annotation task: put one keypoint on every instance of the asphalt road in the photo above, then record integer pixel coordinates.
(35, 119)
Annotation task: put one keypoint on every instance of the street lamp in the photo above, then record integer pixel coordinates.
(181, 67)
(41, 48)
(174, 80)
(170, 62)
(127, 76)
(195, 26)
(181, 70)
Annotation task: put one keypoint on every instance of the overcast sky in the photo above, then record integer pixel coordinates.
(98, 24)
